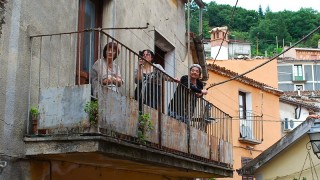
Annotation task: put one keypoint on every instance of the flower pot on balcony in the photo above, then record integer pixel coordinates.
(34, 115)
(35, 125)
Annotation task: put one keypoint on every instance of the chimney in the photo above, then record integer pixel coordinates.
(319, 43)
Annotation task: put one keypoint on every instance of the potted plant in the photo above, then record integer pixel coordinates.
(144, 126)
(34, 113)
(92, 109)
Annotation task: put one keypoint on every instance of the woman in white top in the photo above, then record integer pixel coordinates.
(105, 71)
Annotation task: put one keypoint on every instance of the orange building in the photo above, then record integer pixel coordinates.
(253, 103)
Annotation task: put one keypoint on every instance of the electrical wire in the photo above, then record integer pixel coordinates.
(225, 35)
(266, 62)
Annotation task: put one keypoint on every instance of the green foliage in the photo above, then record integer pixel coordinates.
(259, 26)
(144, 126)
(92, 108)
(34, 111)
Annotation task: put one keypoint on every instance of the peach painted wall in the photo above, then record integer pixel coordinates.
(225, 96)
(266, 74)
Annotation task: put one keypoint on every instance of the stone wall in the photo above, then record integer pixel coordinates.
(2, 10)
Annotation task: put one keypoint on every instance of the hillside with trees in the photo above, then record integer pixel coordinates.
(266, 30)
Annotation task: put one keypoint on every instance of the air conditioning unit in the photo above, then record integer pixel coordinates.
(289, 124)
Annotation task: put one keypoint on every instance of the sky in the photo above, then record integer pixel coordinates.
(275, 5)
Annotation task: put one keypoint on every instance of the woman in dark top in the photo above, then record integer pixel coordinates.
(148, 77)
(178, 107)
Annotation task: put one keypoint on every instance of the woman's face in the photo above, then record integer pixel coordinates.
(195, 73)
(147, 56)
(111, 52)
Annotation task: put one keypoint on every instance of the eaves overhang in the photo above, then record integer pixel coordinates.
(243, 79)
(292, 101)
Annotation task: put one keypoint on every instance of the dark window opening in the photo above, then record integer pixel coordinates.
(245, 161)
(90, 13)
(159, 56)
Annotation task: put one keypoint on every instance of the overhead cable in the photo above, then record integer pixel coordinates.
(276, 56)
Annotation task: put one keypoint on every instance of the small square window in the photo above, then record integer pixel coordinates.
(299, 87)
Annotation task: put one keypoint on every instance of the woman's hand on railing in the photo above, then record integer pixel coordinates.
(117, 81)
(204, 91)
(140, 61)
(177, 80)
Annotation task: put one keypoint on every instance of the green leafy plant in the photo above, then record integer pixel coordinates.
(144, 126)
(34, 111)
(92, 108)
(34, 114)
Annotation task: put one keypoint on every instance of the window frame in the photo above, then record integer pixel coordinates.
(82, 75)
(298, 72)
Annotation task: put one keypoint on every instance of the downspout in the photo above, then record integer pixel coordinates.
(295, 112)
(114, 12)
(189, 63)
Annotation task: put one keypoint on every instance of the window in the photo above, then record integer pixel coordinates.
(298, 87)
(90, 13)
(164, 54)
(245, 116)
(245, 161)
(242, 105)
(298, 73)
(251, 126)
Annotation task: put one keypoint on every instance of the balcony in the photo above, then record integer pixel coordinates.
(251, 128)
(60, 86)
(298, 79)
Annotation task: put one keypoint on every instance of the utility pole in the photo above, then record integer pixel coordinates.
(277, 42)
(257, 46)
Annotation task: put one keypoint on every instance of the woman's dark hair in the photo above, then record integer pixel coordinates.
(149, 51)
(109, 45)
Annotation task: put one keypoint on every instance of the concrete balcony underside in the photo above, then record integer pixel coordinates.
(109, 152)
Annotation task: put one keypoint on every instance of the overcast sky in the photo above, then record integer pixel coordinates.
(275, 5)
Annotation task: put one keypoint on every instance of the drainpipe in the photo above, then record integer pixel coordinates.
(297, 116)
(114, 16)
(189, 63)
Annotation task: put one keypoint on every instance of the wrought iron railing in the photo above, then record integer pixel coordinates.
(251, 127)
(62, 83)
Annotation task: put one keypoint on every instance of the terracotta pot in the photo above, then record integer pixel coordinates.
(35, 125)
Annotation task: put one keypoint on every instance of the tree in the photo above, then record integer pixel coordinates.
(256, 26)
(260, 12)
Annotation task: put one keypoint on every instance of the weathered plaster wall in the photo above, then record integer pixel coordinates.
(2, 9)
(288, 111)
(167, 17)
(23, 18)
